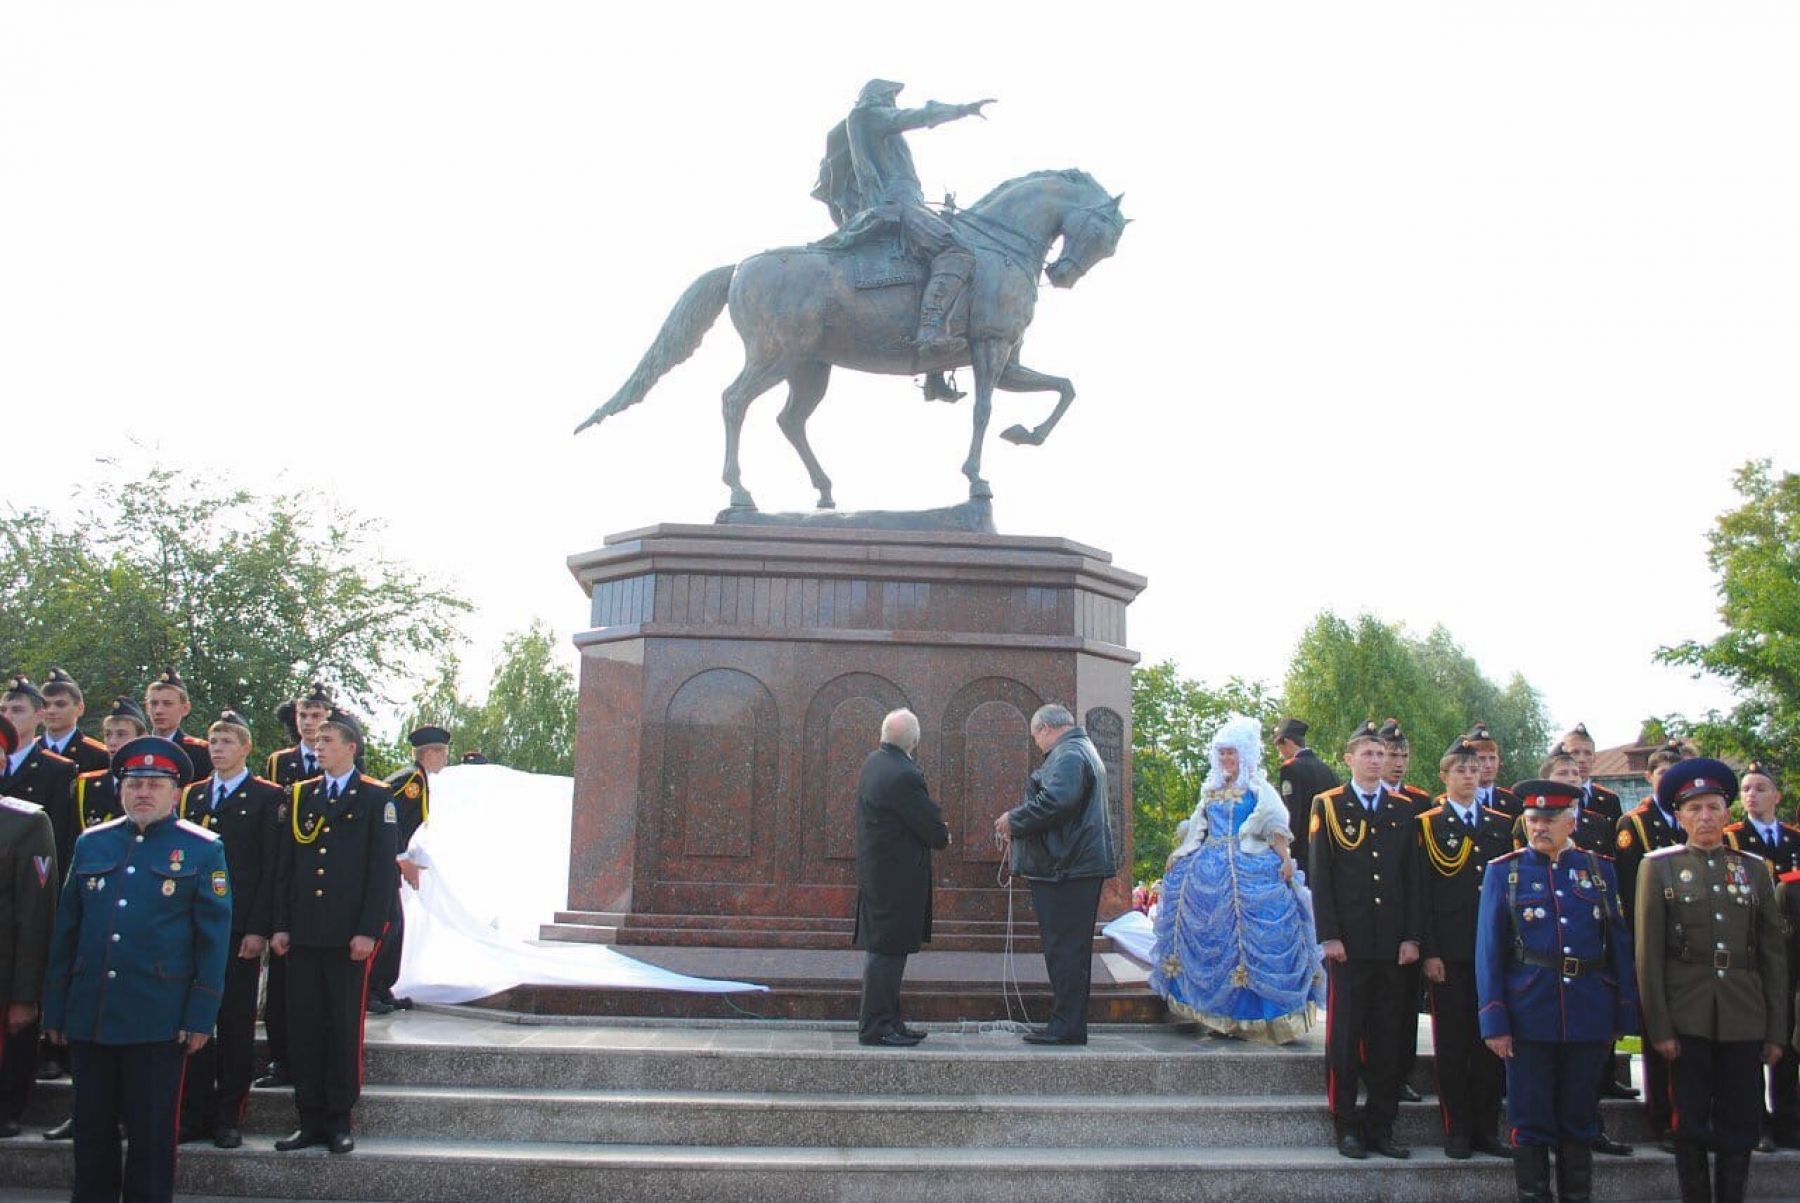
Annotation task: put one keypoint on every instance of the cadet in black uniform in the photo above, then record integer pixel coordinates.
(240, 809)
(1579, 744)
(1488, 791)
(96, 793)
(1593, 830)
(63, 708)
(1459, 838)
(167, 703)
(1304, 776)
(1369, 912)
(329, 912)
(32, 774)
(27, 905)
(411, 788)
(1399, 756)
(287, 766)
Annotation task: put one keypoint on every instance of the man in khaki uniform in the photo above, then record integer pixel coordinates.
(1712, 969)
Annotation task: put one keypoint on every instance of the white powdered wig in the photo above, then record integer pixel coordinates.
(1244, 734)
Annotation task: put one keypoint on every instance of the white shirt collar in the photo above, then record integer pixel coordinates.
(340, 782)
(18, 758)
(231, 785)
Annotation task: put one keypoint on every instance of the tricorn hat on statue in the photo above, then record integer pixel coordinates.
(878, 89)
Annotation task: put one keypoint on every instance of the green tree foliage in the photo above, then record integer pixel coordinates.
(1755, 553)
(1172, 719)
(1343, 673)
(248, 596)
(528, 719)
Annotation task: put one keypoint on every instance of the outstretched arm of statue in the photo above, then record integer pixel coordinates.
(937, 114)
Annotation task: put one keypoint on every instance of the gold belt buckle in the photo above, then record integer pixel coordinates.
(1571, 967)
(1721, 959)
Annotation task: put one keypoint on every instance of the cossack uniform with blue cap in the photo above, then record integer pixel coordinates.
(137, 960)
(1712, 967)
(1553, 971)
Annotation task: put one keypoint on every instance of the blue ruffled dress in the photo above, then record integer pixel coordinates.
(1235, 946)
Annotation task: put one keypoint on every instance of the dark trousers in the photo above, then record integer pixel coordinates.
(880, 1013)
(18, 1070)
(1409, 1021)
(1656, 1084)
(387, 957)
(1066, 911)
(1784, 1096)
(275, 1011)
(1550, 1096)
(218, 1076)
(139, 1085)
(326, 991)
(1469, 1077)
(1366, 1010)
(1717, 1088)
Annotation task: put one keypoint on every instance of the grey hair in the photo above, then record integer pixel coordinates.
(901, 728)
(1051, 716)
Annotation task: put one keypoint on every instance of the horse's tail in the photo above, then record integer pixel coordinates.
(687, 323)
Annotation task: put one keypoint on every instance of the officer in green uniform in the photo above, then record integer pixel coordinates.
(411, 788)
(28, 885)
(137, 968)
(1712, 973)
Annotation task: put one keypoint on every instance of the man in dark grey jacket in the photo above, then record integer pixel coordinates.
(1062, 842)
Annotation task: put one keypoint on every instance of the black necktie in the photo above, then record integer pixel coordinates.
(312, 766)
(331, 792)
(219, 796)
(1368, 800)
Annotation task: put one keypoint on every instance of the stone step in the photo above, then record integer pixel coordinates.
(651, 931)
(479, 1172)
(838, 1120)
(824, 999)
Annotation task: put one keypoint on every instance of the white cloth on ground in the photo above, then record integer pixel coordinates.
(495, 851)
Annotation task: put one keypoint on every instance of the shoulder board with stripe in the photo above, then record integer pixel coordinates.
(195, 829)
(1671, 850)
(21, 805)
(368, 780)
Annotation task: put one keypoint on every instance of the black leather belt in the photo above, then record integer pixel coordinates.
(1567, 966)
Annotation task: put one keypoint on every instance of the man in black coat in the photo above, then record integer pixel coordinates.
(1304, 776)
(897, 826)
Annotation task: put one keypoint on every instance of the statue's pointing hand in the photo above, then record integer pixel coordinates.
(974, 107)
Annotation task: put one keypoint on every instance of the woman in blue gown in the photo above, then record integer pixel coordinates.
(1235, 947)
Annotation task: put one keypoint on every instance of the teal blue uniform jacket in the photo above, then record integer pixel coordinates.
(142, 933)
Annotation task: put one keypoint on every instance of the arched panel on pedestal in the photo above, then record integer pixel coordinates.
(719, 775)
(1106, 727)
(843, 725)
(988, 754)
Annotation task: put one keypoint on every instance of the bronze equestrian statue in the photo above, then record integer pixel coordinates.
(863, 298)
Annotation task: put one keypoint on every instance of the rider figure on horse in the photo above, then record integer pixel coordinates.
(868, 181)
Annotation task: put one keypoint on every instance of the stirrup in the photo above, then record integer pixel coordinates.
(940, 386)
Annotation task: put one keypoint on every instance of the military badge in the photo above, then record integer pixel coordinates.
(1625, 838)
(1287, 788)
(281, 812)
(219, 882)
(168, 887)
(389, 815)
(43, 865)
(412, 790)
(1686, 876)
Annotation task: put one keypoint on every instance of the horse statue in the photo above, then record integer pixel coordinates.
(803, 310)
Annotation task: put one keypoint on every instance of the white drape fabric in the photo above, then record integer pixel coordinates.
(495, 849)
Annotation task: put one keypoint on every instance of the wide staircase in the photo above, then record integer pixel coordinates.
(462, 1108)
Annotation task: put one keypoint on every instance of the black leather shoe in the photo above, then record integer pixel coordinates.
(1048, 1038)
(9, 1128)
(62, 1131)
(1612, 1148)
(49, 1071)
(228, 1138)
(342, 1142)
(1618, 1090)
(400, 1004)
(1458, 1148)
(1409, 1095)
(910, 1033)
(887, 1040)
(1387, 1148)
(1491, 1146)
(301, 1140)
(276, 1079)
(1351, 1145)
(377, 1007)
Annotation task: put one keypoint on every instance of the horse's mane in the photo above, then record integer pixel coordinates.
(1072, 174)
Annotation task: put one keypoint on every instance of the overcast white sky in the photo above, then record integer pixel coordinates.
(1451, 312)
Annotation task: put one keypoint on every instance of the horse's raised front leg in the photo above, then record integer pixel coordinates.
(988, 359)
(806, 388)
(755, 380)
(1019, 379)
